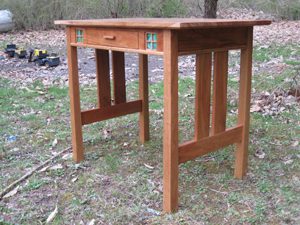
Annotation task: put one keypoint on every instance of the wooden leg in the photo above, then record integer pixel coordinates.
(170, 132)
(103, 78)
(118, 71)
(74, 93)
(143, 92)
(202, 96)
(220, 92)
(241, 162)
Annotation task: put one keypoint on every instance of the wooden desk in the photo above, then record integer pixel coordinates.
(209, 40)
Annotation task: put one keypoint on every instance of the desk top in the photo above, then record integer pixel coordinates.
(164, 23)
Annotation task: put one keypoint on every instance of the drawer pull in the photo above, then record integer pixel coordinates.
(109, 37)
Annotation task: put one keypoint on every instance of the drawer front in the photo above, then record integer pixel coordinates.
(112, 37)
(135, 40)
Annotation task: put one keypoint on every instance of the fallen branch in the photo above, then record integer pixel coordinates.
(30, 173)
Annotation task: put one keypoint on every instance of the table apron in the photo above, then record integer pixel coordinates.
(191, 41)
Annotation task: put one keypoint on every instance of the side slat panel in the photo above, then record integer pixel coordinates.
(103, 78)
(219, 108)
(202, 98)
(118, 71)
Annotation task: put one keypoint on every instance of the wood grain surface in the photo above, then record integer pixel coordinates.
(163, 23)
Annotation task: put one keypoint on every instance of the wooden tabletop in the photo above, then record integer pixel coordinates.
(164, 23)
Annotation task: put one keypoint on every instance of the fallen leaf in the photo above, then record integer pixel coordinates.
(67, 156)
(44, 169)
(255, 108)
(52, 215)
(260, 154)
(12, 193)
(27, 89)
(56, 167)
(41, 92)
(92, 222)
(106, 133)
(296, 143)
(148, 166)
(290, 161)
(125, 144)
(153, 211)
(54, 143)
(74, 179)
(15, 149)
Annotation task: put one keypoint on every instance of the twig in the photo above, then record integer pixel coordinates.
(221, 192)
(30, 173)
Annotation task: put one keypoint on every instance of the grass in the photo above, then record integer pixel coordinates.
(113, 185)
(266, 53)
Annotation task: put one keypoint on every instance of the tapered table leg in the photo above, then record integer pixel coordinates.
(241, 162)
(170, 132)
(144, 96)
(74, 93)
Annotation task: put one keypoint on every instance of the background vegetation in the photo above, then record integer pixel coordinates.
(39, 14)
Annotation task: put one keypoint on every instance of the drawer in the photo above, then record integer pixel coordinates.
(111, 37)
(135, 40)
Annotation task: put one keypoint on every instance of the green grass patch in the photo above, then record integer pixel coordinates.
(120, 180)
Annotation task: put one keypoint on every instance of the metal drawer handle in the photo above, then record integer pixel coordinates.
(109, 37)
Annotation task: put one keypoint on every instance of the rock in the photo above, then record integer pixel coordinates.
(6, 22)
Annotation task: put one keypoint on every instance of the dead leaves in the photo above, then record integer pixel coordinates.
(273, 103)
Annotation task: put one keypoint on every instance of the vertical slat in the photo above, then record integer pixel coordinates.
(74, 93)
(220, 92)
(202, 95)
(118, 71)
(143, 92)
(103, 78)
(170, 132)
(241, 161)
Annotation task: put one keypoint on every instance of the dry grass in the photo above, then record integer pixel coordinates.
(120, 182)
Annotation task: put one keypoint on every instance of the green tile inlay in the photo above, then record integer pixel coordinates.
(154, 37)
(79, 35)
(154, 45)
(151, 41)
(149, 45)
(149, 37)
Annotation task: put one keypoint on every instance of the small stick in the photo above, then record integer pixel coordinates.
(221, 192)
(30, 173)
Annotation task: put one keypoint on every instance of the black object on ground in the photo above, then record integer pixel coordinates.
(10, 50)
